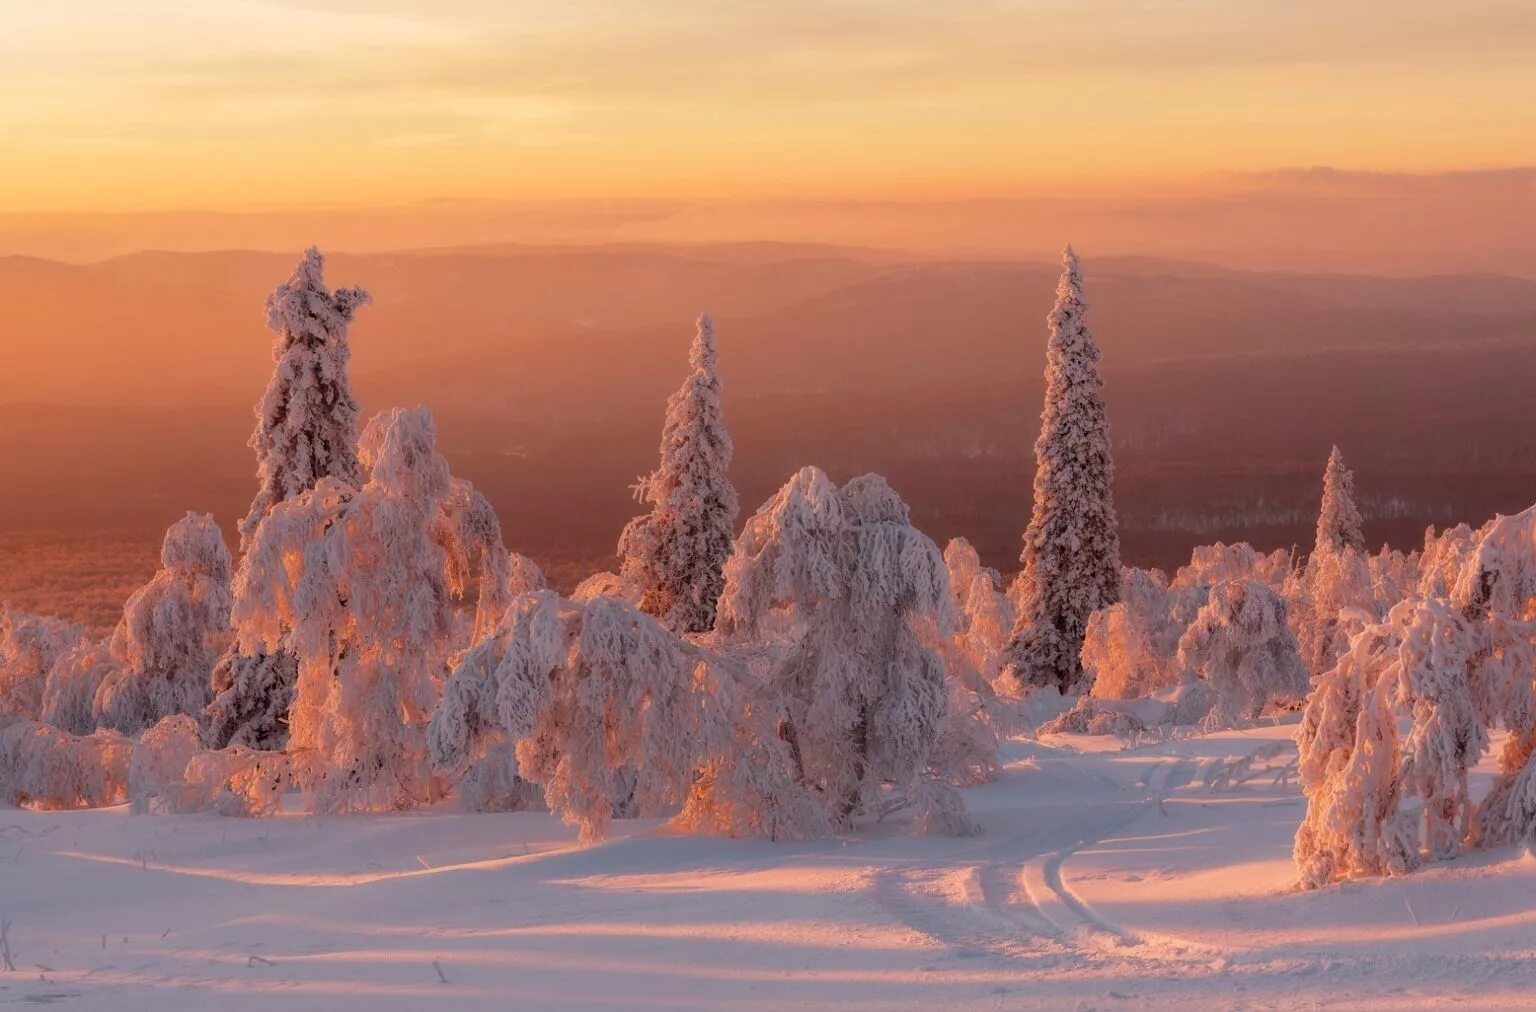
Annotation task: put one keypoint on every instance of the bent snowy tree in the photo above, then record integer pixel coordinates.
(359, 584)
(836, 581)
(1071, 556)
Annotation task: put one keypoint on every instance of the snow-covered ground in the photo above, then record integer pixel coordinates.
(1105, 878)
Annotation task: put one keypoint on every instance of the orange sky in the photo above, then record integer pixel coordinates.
(146, 104)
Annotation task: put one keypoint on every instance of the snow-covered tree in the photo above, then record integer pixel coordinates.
(1443, 559)
(839, 580)
(1333, 583)
(674, 554)
(172, 632)
(358, 583)
(69, 696)
(171, 772)
(252, 696)
(30, 645)
(1213, 564)
(1429, 679)
(306, 422)
(1240, 645)
(1071, 556)
(607, 706)
(1130, 647)
(1338, 518)
(1349, 756)
(43, 767)
(306, 430)
(1495, 590)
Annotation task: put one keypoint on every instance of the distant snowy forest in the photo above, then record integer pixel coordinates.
(814, 668)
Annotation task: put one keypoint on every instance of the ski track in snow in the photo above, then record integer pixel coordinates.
(1152, 877)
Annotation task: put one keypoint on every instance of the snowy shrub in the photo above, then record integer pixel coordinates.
(1395, 577)
(172, 632)
(846, 585)
(30, 645)
(234, 781)
(1443, 558)
(604, 584)
(491, 783)
(43, 767)
(1219, 563)
(607, 706)
(1239, 644)
(1071, 556)
(159, 765)
(69, 695)
(1129, 647)
(674, 554)
(1093, 718)
(984, 618)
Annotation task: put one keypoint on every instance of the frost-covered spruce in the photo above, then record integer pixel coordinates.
(172, 632)
(306, 422)
(1338, 519)
(306, 430)
(359, 583)
(839, 580)
(1071, 556)
(1239, 645)
(673, 556)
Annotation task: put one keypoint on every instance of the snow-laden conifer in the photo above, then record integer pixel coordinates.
(306, 422)
(840, 582)
(673, 556)
(306, 430)
(172, 632)
(1071, 556)
(1338, 518)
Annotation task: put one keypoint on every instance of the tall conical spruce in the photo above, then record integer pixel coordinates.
(1338, 519)
(1071, 556)
(306, 430)
(674, 555)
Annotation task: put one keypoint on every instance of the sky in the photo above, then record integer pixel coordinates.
(137, 105)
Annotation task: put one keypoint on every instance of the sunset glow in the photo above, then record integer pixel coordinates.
(237, 103)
